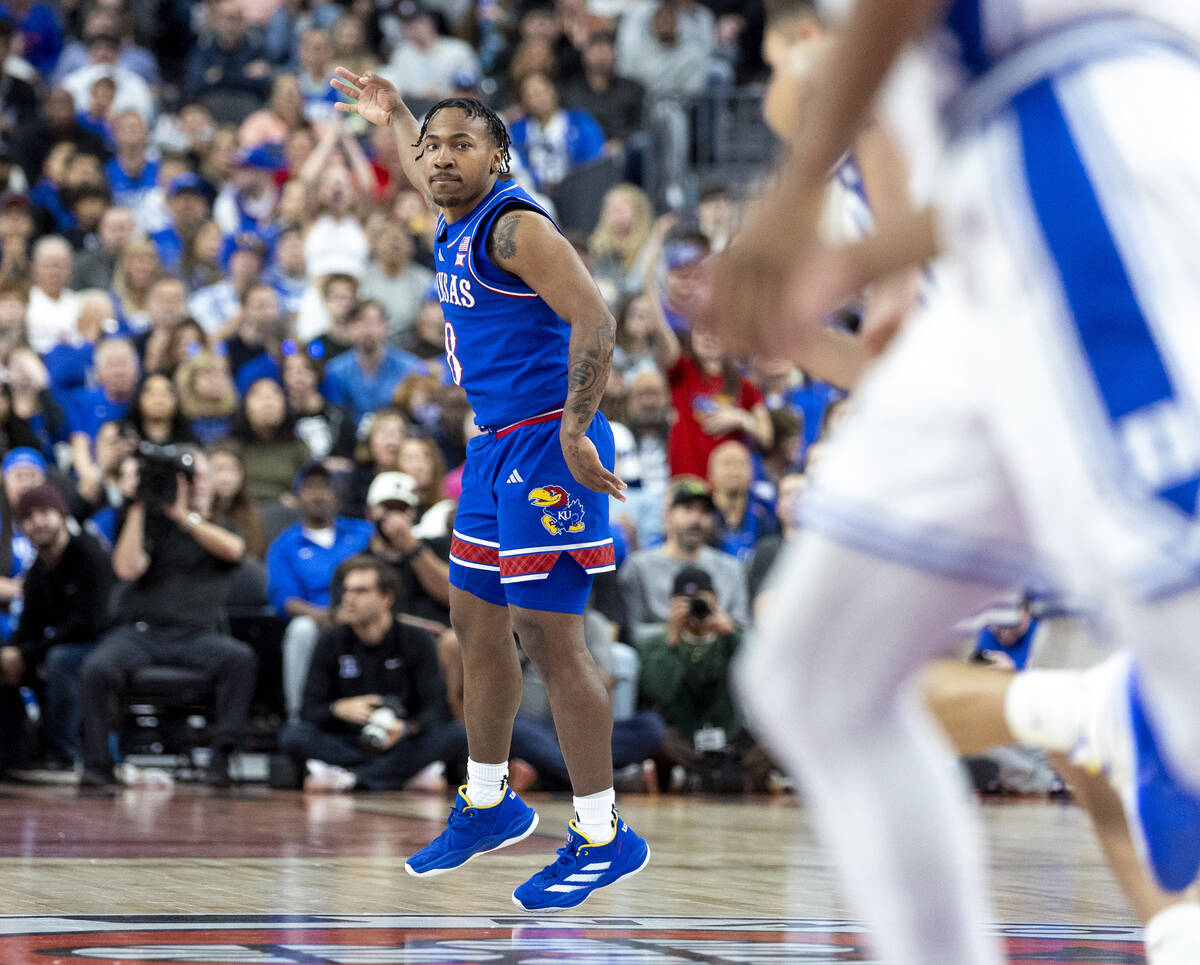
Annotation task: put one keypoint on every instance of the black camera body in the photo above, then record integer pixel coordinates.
(158, 470)
(698, 609)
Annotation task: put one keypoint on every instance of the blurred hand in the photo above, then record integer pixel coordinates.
(396, 528)
(11, 587)
(889, 302)
(356, 710)
(677, 612)
(12, 665)
(723, 420)
(177, 512)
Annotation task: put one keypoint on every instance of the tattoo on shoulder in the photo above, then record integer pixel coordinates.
(502, 241)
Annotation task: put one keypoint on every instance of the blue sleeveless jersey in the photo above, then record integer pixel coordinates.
(504, 345)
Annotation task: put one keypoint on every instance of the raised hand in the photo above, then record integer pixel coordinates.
(374, 99)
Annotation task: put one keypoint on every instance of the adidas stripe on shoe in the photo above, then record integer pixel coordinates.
(582, 867)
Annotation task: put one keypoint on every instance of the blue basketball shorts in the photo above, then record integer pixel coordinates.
(526, 533)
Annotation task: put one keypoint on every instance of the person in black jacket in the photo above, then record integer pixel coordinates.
(65, 612)
(374, 712)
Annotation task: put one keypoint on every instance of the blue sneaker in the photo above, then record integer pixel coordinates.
(581, 868)
(1163, 815)
(471, 831)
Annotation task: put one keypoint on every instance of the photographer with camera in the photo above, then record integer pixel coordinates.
(374, 711)
(685, 678)
(175, 566)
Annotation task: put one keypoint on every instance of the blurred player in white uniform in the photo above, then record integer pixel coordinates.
(1039, 426)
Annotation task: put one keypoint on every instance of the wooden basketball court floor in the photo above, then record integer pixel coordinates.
(258, 876)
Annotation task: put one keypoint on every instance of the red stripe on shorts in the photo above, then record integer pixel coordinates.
(527, 565)
(474, 553)
(594, 556)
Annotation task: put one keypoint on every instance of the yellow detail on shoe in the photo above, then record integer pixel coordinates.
(594, 844)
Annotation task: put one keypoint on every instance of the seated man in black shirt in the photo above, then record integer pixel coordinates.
(374, 711)
(176, 566)
(64, 614)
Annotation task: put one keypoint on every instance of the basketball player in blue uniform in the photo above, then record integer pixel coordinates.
(1037, 425)
(530, 339)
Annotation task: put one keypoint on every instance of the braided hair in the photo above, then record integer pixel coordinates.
(472, 108)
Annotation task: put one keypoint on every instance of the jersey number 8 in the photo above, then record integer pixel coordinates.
(456, 368)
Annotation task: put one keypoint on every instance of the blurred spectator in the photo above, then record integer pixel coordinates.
(637, 338)
(787, 512)
(300, 566)
(786, 452)
(289, 20)
(350, 47)
(233, 509)
(266, 431)
(217, 306)
(107, 21)
(717, 211)
(532, 55)
(132, 93)
(41, 33)
(550, 141)
(187, 338)
(153, 213)
(393, 280)
(189, 197)
(14, 300)
(418, 397)
(246, 204)
(427, 337)
(648, 416)
(335, 245)
(166, 307)
(99, 497)
(64, 613)
(276, 337)
(53, 307)
(613, 100)
(316, 67)
(136, 270)
(70, 361)
(21, 470)
(116, 373)
(18, 99)
(421, 461)
(156, 414)
(16, 234)
(131, 173)
(257, 317)
(421, 562)
(286, 274)
(742, 518)
(57, 124)
(87, 203)
(283, 116)
(31, 401)
(787, 389)
(15, 432)
(227, 71)
(424, 64)
(97, 117)
(366, 378)
(378, 452)
(366, 664)
(646, 577)
(207, 398)
(200, 265)
(96, 267)
(618, 244)
(685, 678)
(667, 45)
(176, 567)
(326, 428)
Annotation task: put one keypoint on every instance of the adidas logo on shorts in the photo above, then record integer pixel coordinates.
(515, 477)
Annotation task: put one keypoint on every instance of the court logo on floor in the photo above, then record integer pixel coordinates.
(503, 940)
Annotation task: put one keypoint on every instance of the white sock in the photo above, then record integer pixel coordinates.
(1044, 708)
(485, 782)
(596, 815)
(1173, 935)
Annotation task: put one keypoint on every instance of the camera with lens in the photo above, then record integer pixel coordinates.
(158, 470)
(381, 721)
(698, 609)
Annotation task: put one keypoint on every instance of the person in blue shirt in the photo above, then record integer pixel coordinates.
(550, 141)
(189, 198)
(116, 378)
(365, 378)
(742, 518)
(40, 31)
(131, 173)
(300, 565)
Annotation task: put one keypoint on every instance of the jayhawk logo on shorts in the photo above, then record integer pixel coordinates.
(561, 513)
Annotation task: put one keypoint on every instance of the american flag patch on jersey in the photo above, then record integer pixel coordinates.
(464, 246)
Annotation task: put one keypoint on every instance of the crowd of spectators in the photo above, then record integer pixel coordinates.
(198, 253)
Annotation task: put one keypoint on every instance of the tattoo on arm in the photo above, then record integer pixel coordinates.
(589, 361)
(502, 242)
